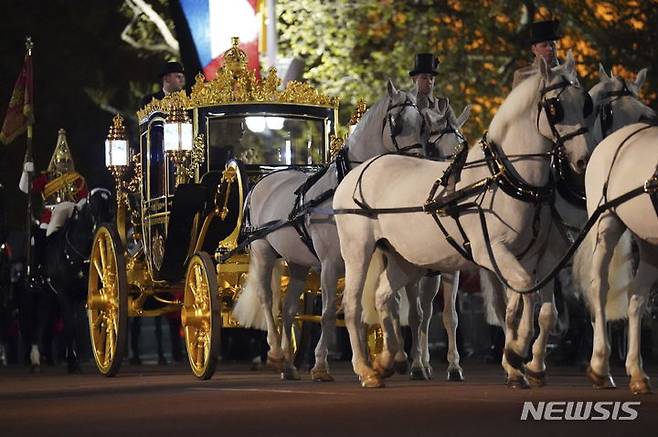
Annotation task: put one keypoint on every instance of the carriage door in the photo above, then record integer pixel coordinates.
(156, 199)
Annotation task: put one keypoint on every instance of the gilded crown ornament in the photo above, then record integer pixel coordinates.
(236, 83)
(235, 59)
(117, 130)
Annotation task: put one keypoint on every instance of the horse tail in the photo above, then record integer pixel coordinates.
(370, 315)
(494, 298)
(620, 276)
(248, 310)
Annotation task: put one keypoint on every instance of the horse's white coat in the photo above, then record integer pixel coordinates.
(412, 240)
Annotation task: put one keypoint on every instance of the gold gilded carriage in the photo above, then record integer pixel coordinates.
(180, 203)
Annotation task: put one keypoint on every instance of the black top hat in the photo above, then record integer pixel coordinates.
(425, 63)
(171, 67)
(541, 31)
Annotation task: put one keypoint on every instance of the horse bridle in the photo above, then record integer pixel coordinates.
(396, 127)
(554, 111)
(605, 109)
(431, 150)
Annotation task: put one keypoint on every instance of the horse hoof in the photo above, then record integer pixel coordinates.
(640, 386)
(401, 367)
(455, 375)
(599, 381)
(513, 359)
(429, 372)
(535, 379)
(383, 372)
(275, 363)
(518, 382)
(321, 375)
(372, 381)
(418, 374)
(290, 374)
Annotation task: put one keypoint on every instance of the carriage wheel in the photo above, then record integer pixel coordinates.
(107, 300)
(200, 315)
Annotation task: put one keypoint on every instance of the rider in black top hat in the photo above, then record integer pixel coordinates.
(423, 74)
(543, 39)
(172, 79)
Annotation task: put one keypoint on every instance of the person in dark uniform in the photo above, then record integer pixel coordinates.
(543, 44)
(172, 79)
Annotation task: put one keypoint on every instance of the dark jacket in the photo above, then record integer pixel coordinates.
(147, 99)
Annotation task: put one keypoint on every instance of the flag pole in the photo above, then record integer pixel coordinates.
(28, 159)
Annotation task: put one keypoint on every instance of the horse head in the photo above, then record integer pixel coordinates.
(617, 103)
(100, 206)
(393, 124)
(562, 113)
(444, 136)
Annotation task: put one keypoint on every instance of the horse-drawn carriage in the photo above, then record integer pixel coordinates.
(177, 244)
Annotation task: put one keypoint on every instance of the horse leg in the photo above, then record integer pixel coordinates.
(328, 281)
(297, 280)
(261, 266)
(400, 358)
(608, 232)
(450, 287)
(516, 337)
(536, 369)
(390, 280)
(70, 324)
(646, 275)
(357, 259)
(416, 314)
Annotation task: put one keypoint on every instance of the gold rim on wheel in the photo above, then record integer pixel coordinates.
(200, 315)
(107, 301)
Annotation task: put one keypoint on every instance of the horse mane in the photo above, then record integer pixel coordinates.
(520, 101)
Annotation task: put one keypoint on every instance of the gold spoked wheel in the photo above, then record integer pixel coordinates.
(200, 315)
(107, 301)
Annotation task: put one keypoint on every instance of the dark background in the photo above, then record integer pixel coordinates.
(83, 72)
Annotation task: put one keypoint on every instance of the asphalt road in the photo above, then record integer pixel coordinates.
(167, 400)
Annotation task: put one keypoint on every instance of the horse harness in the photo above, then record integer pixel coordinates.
(343, 165)
(502, 175)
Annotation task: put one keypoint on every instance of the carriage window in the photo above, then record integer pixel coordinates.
(266, 139)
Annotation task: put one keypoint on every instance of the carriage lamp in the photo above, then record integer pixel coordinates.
(116, 144)
(117, 154)
(178, 141)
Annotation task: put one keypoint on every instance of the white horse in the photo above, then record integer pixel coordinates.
(615, 105)
(393, 124)
(625, 159)
(542, 116)
(421, 293)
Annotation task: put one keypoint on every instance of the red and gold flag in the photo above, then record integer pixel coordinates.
(20, 113)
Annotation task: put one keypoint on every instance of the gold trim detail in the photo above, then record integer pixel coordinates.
(236, 83)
